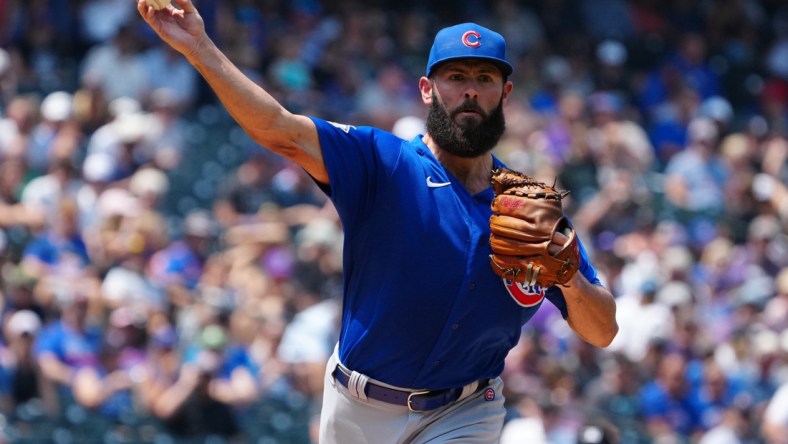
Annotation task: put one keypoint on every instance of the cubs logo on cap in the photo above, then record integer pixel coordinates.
(469, 41)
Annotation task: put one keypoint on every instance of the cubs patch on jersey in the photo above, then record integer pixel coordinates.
(524, 295)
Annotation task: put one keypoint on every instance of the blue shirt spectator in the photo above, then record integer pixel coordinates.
(666, 403)
(73, 347)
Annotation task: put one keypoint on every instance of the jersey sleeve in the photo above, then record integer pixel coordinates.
(358, 159)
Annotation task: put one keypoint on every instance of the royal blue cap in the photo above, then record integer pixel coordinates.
(469, 40)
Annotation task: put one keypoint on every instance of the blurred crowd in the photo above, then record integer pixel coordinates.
(163, 279)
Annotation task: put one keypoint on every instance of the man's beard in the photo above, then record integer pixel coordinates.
(466, 139)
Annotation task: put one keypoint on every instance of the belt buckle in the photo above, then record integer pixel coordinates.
(410, 400)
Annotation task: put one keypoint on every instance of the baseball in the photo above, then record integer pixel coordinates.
(157, 4)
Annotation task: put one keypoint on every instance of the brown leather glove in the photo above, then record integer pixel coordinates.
(526, 215)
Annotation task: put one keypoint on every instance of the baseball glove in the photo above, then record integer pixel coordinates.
(526, 215)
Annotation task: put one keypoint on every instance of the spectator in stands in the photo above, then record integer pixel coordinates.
(44, 193)
(617, 141)
(126, 285)
(564, 134)
(107, 138)
(12, 213)
(8, 80)
(762, 247)
(695, 179)
(391, 86)
(18, 292)
(114, 68)
(691, 60)
(16, 125)
(126, 331)
(772, 101)
(733, 428)
(169, 72)
(55, 135)
(614, 396)
(776, 310)
(178, 266)
(162, 366)
(67, 344)
(235, 383)
(200, 402)
(59, 250)
(112, 237)
(149, 185)
(642, 320)
(243, 192)
(716, 394)
(308, 340)
(611, 72)
(666, 402)
(20, 376)
(165, 136)
(38, 29)
(106, 388)
(100, 20)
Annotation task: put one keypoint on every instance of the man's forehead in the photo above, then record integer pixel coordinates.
(469, 64)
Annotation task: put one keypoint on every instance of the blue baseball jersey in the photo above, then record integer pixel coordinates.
(422, 307)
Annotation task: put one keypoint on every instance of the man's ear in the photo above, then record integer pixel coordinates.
(425, 88)
(507, 89)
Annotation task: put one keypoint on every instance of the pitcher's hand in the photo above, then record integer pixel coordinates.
(183, 28)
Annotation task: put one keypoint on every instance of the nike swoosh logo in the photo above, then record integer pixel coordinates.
(432, 184)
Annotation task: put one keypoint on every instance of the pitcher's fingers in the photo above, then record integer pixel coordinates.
(145, 11)
(560, 238)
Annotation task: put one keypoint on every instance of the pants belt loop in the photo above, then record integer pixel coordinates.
(469, 389)
(357, 385)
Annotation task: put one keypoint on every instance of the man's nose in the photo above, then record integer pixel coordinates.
(471, 92)
(472, 88)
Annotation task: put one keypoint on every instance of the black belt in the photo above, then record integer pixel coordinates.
(415, 401)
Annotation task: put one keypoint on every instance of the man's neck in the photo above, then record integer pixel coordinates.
(474, 173)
